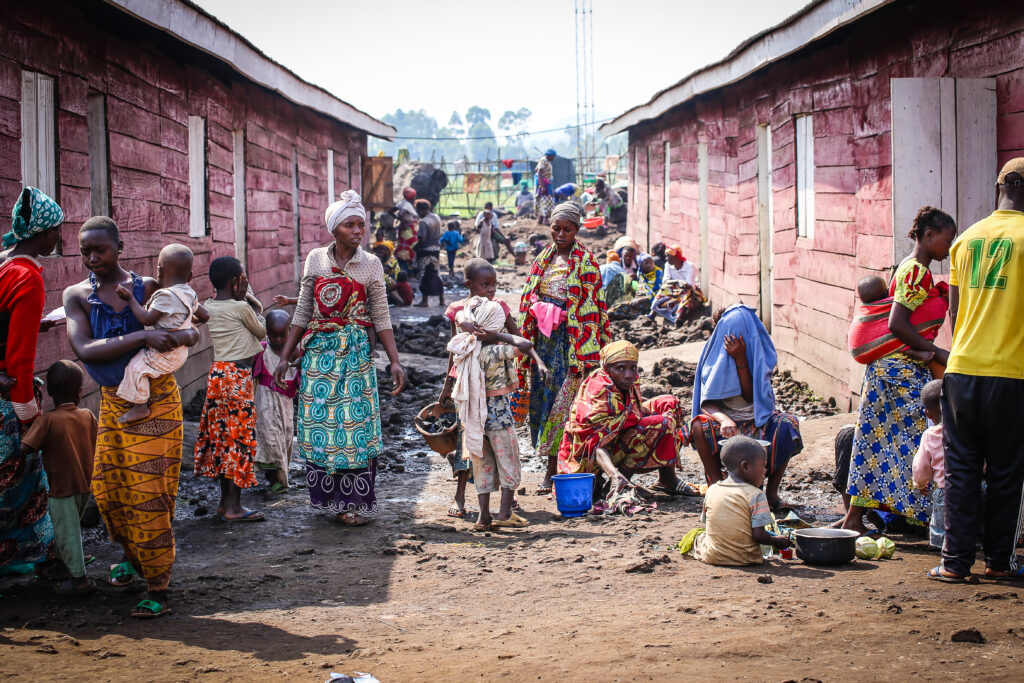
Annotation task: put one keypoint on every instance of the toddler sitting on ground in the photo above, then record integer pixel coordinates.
(930, 465)
(170, 308)
(736, 510)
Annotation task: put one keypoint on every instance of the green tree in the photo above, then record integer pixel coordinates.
(477, 114)
(514, 120)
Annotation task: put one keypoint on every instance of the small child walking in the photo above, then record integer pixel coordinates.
(451, 240)
(930, 463)
(481, 280)
(485, 376)
(275, 425)
(66, 436)
(226, 445)
(736, 510)
(170, 308)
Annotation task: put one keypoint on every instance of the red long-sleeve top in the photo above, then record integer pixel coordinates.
(22, 297)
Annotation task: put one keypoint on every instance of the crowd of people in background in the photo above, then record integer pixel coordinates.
(934, 430)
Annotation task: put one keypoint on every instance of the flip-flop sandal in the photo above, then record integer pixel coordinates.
(277, 489)
(683, 488)
(542, 491)
(457, 513)
(250, 516)
(513, 522)
(1015, 575)
(935, 574)
(66, 589)
(482, 527)
(122, 575)
(150, 609)
(352, 519)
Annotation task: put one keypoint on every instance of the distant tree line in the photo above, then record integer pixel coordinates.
(512, 139)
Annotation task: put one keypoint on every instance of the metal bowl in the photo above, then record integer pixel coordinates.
(826, 546)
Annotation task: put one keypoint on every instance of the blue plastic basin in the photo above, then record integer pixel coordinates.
(574, 493)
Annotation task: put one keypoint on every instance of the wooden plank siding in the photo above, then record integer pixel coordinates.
(843, 84)
(150, 88)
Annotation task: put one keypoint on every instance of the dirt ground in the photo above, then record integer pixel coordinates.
(416, 595)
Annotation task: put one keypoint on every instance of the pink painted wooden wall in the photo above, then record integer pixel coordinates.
(149, 96)
(845, 85)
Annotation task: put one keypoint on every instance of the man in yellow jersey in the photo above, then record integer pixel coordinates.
(983, 390)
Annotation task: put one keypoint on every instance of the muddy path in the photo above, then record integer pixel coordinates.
(419, 596)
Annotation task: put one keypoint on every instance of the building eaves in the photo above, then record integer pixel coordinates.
(190, 24)
(812, 23)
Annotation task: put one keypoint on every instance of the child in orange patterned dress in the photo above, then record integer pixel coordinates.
(226, 446)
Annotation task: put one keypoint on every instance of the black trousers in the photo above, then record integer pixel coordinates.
(451, 260)
(983, 436)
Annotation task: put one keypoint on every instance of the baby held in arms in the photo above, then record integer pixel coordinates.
(170, 308)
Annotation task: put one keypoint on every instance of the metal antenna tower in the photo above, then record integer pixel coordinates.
(584, 31)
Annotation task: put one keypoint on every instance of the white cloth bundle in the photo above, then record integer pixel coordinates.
(470, 392)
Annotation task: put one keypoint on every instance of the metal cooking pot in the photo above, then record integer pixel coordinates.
(826, 546)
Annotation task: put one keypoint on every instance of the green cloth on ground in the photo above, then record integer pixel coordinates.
(686, 544)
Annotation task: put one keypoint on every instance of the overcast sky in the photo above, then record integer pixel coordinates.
(381, 55)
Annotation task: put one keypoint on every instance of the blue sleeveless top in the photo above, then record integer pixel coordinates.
(107, 323)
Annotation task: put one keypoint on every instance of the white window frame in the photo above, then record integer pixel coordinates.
(238, 173)
(330, 176)
(38, 134)
(197, 220)
(668, 155)
(804, 126)
(636, 173)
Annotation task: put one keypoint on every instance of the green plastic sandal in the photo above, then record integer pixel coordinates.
(149, 609)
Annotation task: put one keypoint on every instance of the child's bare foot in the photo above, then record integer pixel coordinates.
(135, 414)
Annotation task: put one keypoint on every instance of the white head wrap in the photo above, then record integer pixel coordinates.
(348, 205)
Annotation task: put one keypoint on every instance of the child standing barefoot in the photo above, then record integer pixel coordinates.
(275, 425)
(736, 509)
(66, 436)
(170, 308)
(226, 446)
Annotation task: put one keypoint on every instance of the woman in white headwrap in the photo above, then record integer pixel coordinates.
(343, 298)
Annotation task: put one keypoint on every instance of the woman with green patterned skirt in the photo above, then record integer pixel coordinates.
(343, 298)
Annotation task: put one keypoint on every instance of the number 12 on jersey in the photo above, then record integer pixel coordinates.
(988, 260)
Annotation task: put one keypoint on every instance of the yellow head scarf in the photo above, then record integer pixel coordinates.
(387, 244)
(619, 351)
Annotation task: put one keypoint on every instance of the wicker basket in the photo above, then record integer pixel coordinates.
(440, 442)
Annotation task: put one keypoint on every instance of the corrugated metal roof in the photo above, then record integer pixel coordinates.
(194, 26)
(815, 21)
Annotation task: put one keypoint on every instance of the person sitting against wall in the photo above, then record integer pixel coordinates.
(733, 394)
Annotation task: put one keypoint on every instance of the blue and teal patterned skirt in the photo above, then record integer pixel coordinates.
(26, 533)
(889, 427)
(339, 421)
